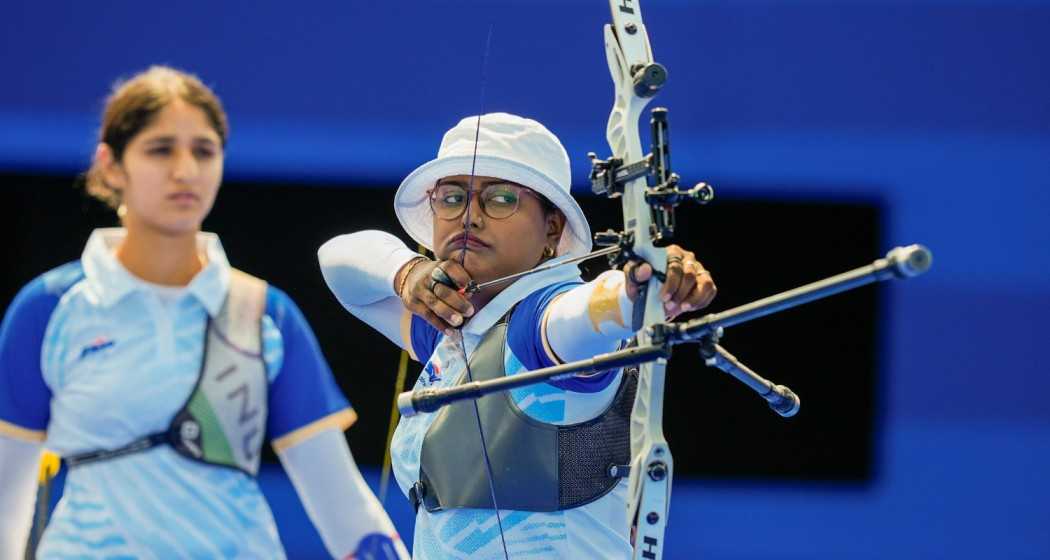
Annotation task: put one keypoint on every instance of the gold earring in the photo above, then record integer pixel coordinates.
(122, 210)
(548, 252)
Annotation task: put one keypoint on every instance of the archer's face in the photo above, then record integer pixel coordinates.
(490, 247)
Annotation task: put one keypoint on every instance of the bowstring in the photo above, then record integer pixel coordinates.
(462, 263)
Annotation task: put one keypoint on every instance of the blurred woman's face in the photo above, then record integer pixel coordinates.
(171, 172)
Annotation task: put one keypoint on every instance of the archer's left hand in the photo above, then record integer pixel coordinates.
(687, 287)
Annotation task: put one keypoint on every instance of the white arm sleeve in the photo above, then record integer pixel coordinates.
(590, 319)
(19, 464)
(360, 268)
(339, 502)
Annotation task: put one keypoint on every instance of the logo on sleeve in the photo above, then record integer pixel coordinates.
(433, 371)
(99, 344)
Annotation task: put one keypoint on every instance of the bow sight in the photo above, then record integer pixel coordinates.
(610, 176)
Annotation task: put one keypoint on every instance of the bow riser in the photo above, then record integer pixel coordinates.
(649, 485)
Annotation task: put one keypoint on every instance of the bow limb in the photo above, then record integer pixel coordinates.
(399, 384)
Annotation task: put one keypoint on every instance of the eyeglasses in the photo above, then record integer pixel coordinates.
(448, 201)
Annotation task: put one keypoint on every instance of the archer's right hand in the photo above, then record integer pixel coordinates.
(442, 306)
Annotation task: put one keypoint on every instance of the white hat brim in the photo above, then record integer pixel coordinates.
(413, 209)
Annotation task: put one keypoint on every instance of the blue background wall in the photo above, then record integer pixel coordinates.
(938, 108)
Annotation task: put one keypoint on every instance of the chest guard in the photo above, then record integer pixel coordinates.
(224, 419)
(538, 466)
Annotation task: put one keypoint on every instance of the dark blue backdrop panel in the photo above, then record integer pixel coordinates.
(883, 65)
(334, 85)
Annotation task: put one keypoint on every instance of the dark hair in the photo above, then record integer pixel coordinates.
(546, 204)
(132, 106)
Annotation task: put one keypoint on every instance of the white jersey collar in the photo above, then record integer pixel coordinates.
(110, 281)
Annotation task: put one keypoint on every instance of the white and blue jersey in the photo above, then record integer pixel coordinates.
(93, 358)
(594, 530)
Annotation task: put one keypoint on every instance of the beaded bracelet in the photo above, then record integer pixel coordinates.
(404, 279)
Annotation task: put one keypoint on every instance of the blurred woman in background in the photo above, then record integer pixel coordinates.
(155, 369)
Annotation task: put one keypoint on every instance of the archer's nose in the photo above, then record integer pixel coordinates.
(473, 215)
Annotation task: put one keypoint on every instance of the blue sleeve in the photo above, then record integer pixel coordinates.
(25, 400)
(304, 390)
(424, 338)
(526, 340)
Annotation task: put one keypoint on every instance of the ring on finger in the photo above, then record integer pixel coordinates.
(631, 276)
(439, 276)
(673, 259)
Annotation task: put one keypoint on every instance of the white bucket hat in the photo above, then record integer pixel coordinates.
(508, 147)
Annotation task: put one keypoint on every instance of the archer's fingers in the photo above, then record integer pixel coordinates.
(441, 309)
(673, 275)
(454, 299)
(681, 297)
(415, 305)
(636, 273)
(705, 289)
(456, 272)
